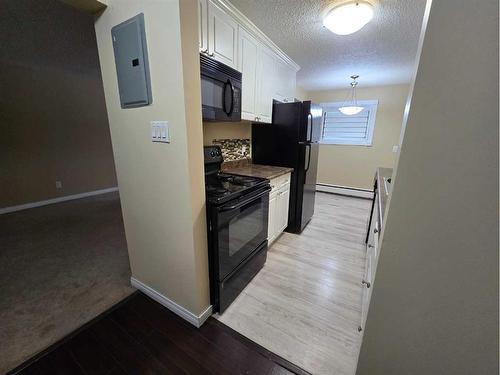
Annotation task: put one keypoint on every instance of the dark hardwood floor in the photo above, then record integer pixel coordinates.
(140, 336)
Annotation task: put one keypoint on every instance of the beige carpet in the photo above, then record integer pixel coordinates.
(60, 266)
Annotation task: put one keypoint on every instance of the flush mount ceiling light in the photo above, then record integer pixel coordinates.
(350, 106)
(347, 17)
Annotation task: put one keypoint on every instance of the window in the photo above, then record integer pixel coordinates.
(340, 129)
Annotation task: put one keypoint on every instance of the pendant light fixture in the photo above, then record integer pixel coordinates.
(347, 17)
(350, 106)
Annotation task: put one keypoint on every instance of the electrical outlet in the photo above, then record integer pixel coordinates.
(58, 185)
(160, 131)
(395, 148)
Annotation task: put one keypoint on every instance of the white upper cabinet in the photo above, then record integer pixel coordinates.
(228, 36)
(266, 80)
(222, 36)
(285, 87)
(203, 25)
(247, 65)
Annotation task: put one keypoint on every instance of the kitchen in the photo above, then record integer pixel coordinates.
(292, 189)
(262, 148)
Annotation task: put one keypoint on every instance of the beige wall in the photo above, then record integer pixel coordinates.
(161, 184)
(226, 130)
(301, 94)
(434, 307)
(354, 166)
(53, 120)
(192, 99)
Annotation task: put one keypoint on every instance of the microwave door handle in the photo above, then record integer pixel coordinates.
(224, 98)
(232, 98)
(241, 204)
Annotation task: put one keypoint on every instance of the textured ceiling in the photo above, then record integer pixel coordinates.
(382, 53)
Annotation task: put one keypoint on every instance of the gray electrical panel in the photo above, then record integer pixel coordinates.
(132, 65)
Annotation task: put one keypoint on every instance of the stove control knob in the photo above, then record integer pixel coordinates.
(218, 152)
(212, 153)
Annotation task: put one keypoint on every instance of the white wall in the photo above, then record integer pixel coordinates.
(434, 307)
(161, 185)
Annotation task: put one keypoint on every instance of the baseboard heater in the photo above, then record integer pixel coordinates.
(345, 190)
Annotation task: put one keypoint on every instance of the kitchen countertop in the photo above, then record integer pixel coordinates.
(256, 170)
(381, 176)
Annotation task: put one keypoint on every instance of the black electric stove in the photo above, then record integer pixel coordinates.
(223, 187)
(237, 218)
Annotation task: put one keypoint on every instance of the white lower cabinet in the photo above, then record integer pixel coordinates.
(279, 200)
(273, 210)
(283, 205)
(372, 254)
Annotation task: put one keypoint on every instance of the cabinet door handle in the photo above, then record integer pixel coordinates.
(370, 246)
(367, 283)
(375, 230)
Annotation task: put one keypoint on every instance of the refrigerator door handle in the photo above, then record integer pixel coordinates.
(309, 127)
(308, 146)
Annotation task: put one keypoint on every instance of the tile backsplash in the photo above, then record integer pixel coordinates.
(234, 149)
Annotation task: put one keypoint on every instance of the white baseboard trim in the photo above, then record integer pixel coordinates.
(345, 190)
(25, 206)
(196, 320)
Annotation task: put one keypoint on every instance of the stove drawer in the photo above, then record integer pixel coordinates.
(232, 286)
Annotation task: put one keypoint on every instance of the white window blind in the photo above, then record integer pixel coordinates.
(343, 129)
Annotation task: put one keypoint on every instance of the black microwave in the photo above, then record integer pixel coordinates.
(220, 91)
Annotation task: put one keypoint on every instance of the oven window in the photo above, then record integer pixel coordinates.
(211, 92)
(244, 228)
(240, 232)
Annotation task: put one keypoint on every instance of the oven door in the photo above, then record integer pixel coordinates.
(220, 98)
(242, 228)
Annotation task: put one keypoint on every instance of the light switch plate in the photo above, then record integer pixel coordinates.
(160, 132)
(395, 148)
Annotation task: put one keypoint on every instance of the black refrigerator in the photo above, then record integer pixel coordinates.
(292, 141)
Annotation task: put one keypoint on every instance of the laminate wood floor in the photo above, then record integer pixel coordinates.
(305, 304)
(142, 337)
